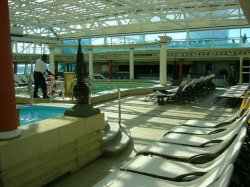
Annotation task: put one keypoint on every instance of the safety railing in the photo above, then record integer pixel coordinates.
(30, 88)
(94, 77)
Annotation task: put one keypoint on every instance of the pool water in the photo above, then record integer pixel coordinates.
(32, 114)
(104, 86)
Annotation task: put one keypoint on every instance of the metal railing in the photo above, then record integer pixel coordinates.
(30, 88)
(94, 76)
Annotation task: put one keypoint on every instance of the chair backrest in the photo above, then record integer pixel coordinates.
(233, 128)
(225, 178)
(214, 178)
(240, 113)
(180, 88)
(23, 78)
(186, 87)
(232, 152)
(18, 80)
(218, 148)
(228, 158)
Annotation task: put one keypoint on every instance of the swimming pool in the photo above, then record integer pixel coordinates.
(102, 85)
(31, 114)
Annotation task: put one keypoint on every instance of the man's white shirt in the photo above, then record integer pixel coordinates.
(40, 66)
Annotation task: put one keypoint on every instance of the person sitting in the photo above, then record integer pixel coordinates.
(39, 76)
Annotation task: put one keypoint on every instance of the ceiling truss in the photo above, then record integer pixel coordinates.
(88, 18)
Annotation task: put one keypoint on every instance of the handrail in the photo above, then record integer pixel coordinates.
(50, 83)
(30, 88)
(93, 75)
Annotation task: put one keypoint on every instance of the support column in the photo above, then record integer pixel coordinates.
(241, 70)
(110, 69)
(52, 60)
(15, 68)
(131, 64)
(163, 59)
(181, 69)
(91, 69)
(56, 69)
(8, 115)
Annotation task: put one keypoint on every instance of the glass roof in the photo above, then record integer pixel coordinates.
(87, 18)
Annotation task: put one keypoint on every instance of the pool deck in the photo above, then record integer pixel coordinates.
(147, 122)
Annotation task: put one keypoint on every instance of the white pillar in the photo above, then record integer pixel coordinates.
(59, 50)
(163, 59)
(131, 64)
(91, 71)
(52, 60)
(163, 64)
(241, 70)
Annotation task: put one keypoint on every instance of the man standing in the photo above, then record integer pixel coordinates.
(233, 76)
(39, 76)
(244, 39)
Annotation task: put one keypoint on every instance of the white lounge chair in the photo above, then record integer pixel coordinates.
(205, 140)
(159, 167)
(19, 80)
(201, 127)
(208, 124)
(225, 178)
(187, 153)
(125, 179)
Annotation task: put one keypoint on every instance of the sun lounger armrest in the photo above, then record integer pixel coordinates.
(188, 176)
(199, 159)
(216, 131)
(210, 142)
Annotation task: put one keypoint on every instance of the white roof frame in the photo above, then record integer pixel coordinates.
(88, 18)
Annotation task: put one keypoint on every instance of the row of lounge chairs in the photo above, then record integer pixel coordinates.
(233, 93)
(22, 80)
(187, 91)
(187, 159)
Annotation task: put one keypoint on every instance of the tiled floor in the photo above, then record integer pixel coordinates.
(147, 122)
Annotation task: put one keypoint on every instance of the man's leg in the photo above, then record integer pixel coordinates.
(36, 82)
(44, 88)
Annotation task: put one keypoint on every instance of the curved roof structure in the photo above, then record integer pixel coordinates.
(88, 18)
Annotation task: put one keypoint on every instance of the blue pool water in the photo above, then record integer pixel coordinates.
(32, 114)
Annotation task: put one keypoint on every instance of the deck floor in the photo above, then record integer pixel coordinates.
(147, 122)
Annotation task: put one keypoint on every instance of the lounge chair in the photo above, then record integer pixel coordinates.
(214, 178)
(159, 167)
(164, 93)
(225, 178)
(207, 124)
(201, 127)
(206, 140)
(233, 93)
(187, 153)
(19, 80)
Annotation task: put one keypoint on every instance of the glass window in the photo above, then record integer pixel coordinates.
(85, 41)
(117, 40)
(97, 41)
(109, 40)
(201, 39)
(198, 35)
(134, 39)
(153, 37)
(245, 33)
(177, 35)
(69, 42)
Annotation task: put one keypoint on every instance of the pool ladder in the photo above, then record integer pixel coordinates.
(93, 75)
